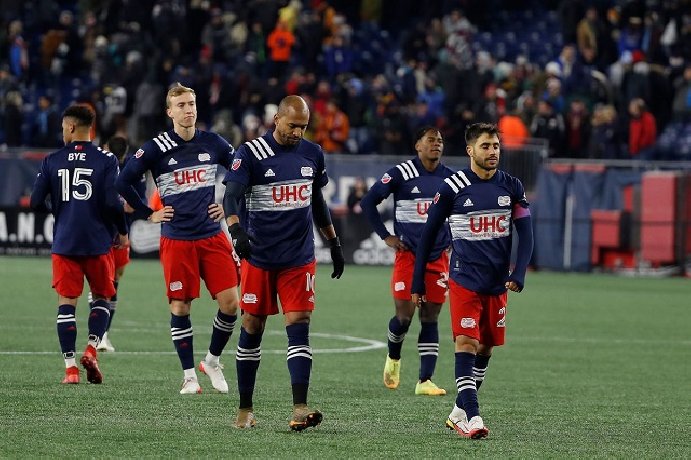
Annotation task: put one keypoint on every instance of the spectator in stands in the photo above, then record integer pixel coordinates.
(514, 132)
(548, 124)
(577, 121)
(280, 44)
(338, 58)
(642, 127)
(46, 124)
(18, 50)
(606, 137)
(332, 129)
(13, 118)
(681, 106)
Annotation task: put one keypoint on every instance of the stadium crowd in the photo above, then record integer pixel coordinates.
(597, 79)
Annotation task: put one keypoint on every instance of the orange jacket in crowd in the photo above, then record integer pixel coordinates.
(280, 42)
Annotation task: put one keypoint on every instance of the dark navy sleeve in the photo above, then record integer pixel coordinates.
(114, 209)
(378, 193)
(320, 176)
(320, 210)
(240, 168)
(225, 152)
(41, 188)
(437, 213)
(129, 178)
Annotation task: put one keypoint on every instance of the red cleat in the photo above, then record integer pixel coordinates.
(90, 362)
(71, 375)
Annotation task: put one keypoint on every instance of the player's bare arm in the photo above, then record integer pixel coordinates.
(165, 214)
(395, 242)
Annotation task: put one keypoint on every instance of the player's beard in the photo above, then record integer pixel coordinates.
(483, 164)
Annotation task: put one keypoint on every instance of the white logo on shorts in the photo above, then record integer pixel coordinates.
(249, 298)
(176, 285)
(468, 323)
(399, 286)
(501, 323)
(311, 299)
(502, 311)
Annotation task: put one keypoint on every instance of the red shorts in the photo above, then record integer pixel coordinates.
(479, 316)
(69, 273)
(186, 261)
(436, 276)
(121, 257)
(293, 286)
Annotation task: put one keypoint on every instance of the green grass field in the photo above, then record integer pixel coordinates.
(594, 366)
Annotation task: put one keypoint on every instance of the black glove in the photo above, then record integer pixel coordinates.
(241, 241)
(336, 257)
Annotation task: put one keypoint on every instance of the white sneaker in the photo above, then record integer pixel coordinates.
(190, 386)
(458, 421)
(105, 344)
(477, 428)
(215, 373)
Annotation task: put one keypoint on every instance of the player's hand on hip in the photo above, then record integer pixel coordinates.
(241, 241)
(337, 257)
(395, 242)
(216, 212)
(165, 214)
(122, 242)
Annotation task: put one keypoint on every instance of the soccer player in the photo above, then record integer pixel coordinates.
(280, 175)
(482, 204)
(121, 256)
(413, 183)
(89, 217)
(183, 162)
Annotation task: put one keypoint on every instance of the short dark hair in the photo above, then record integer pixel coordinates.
(81, 113)
(420, 133)
(119, 146)
(474, 131)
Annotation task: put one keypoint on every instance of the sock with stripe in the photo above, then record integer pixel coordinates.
(465, 383)
(428, 349)
(98, 321)
(182, 335)
(299, 360)
(481, 363)
(220, 334)
(113, 305)
(67, 333)
(397, 332)
(247, 360)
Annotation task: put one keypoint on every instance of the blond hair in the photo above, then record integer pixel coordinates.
(176, 90)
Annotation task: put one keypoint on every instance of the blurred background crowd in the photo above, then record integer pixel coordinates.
(599, 79)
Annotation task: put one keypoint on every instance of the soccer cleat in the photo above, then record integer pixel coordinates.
(458, 421)
(105, 344)
(90, 362)
(71, 375)
(190, 386)
(392, 373)
(477, 428)
(245, 418)
(303, 417)
(215, 373)
(429, 388)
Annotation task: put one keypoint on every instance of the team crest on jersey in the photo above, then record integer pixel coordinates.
(236, 164)
(306, 171)
(204, 157)
(504, 200)
(385, 178)
(436, 198)
(139, 153)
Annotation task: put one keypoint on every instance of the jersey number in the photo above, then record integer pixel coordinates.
(78, 179)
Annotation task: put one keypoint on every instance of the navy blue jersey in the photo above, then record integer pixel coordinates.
(140, 188)
(277, 211)
(480, 214)
(80, 179)
(185, 174)
(413, 188)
